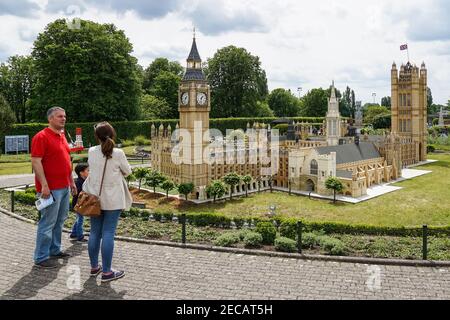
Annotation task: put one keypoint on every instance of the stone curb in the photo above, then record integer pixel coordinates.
(342, 259)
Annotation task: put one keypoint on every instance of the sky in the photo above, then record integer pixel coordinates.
(301, 44)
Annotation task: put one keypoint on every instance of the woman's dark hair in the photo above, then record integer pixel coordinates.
(105, 135)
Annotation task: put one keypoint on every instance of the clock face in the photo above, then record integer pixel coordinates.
(201, 98)
(184, 98)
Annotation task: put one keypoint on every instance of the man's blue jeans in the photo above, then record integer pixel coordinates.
(103, 230)
(48, 240)
(77, 229)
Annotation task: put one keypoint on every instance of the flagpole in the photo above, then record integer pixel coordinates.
(407, 50)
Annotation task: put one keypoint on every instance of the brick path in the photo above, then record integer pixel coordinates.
(159, 272)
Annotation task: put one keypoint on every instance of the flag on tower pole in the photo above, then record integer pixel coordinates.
(405, 47)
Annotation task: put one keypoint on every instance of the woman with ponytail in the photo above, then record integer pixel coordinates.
(110, 165)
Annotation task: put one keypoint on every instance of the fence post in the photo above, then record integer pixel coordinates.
(183, 228)
(12, 200)
(299, 236)
(425, 242)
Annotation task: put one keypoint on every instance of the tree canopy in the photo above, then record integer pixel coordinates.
(283, 103)
(237, 81)
(88, 71)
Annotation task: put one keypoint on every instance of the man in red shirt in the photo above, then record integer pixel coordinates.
(51, 163)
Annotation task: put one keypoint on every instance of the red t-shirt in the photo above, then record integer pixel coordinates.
(54, 150)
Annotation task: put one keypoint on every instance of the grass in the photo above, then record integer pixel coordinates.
(421, 201)
(15, 168)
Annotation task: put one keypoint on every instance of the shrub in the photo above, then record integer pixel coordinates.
(309, 240)
(239, 222)
(288, 229)
(430, 148)
(31, 190)
(227, 239)
(168, 216)
(285, 244)
(157, 216)
(25, 198)
(145, 215)
(332, 246)
(126, 143)
(267, 231)
(253, 239)
(209, 219)
(141, 141)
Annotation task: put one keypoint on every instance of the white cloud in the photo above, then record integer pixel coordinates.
(300, 43)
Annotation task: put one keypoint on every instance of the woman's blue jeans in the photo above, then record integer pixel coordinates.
(102, 233)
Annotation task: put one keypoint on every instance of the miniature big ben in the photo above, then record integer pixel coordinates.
(409, 109)
(194, 107)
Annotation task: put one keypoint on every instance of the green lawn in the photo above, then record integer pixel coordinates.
(423, 200)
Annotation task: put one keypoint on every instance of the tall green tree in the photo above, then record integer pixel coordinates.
(152, 107)
(16, 83)
(165, 88)
(158, 66)
(237, 81)
(283, 103)
(373, 112)
(429, 98)
(386, 102)
(315, 103)
(88, 71)
(7, 119)
(347, 105)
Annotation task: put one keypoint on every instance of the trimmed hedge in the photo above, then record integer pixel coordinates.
(25, 197)
(288, 225)
(128, 130)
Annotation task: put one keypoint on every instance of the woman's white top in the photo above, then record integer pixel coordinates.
(115, 194)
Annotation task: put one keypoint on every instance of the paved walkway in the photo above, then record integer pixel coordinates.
(159, 272)
(16, 180)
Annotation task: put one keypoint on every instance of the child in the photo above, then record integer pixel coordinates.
(82, 171)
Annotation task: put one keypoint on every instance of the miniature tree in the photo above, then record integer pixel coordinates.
(231, 179)
(154, 179)
(216, 189)
(167, 185)
(334, 184)
(185, 188)
(246, 179)
(140, 174)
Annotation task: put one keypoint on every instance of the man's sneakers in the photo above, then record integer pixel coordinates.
(47, 264)
(114, 275)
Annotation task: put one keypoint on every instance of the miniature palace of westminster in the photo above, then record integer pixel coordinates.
(304, 160)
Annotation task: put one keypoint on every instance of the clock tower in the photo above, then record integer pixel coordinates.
(194, 106)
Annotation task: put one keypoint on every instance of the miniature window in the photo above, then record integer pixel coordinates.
(313, 167)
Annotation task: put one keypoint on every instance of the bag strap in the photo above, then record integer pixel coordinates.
(103, 176)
